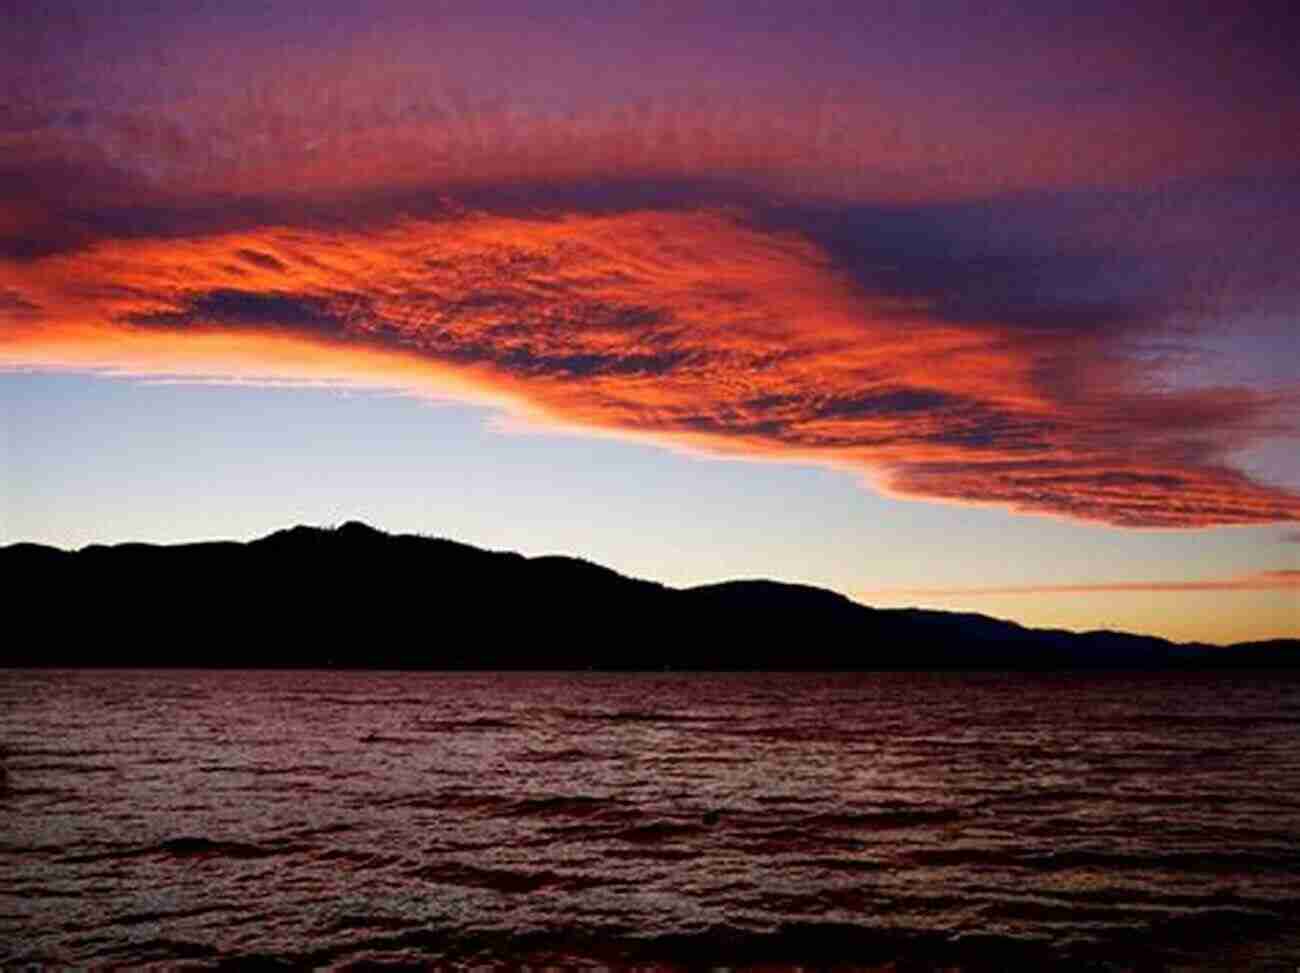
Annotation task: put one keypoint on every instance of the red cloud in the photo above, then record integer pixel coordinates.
(689, 327)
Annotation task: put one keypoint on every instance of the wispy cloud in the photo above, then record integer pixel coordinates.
(1281, 579)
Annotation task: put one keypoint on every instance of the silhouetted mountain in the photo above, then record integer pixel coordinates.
(355, 596)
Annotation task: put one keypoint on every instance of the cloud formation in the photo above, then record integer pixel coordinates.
(704, 328)
(1014, 287)
(1283, 579)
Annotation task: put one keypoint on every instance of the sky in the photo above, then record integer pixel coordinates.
(950, 305)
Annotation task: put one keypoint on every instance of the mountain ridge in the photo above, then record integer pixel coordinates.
(356, 596)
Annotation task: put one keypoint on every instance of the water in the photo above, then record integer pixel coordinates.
(679, 820)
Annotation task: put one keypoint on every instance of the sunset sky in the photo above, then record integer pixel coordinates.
(940, 304)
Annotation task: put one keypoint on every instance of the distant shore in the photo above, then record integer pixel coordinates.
(356, 598)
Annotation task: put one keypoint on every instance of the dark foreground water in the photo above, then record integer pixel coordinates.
(357, 819)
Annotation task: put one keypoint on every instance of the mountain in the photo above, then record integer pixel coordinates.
(355, 596)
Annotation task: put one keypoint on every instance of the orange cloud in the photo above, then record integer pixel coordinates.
(709, 329)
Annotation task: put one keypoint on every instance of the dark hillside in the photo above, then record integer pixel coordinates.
(355, 596)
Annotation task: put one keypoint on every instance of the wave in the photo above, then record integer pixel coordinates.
(573, 806)
(884, 820)
(509, 881)
(184, 846)
(461, 726)
(1183, 861)
(639, 716)
(573, 755)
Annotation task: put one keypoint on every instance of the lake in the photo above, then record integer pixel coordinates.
(204, 819)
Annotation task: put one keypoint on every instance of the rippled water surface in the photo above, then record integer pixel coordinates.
(338, 819)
